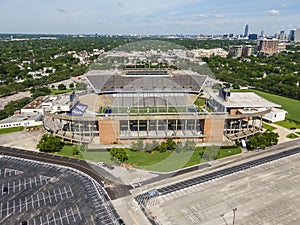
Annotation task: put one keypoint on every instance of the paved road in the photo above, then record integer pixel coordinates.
(114, 190)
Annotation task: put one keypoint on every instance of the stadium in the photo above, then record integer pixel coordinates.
(152, 95)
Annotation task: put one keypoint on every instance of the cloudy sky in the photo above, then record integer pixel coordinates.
(148, 16)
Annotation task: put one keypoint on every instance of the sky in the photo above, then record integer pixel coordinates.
(148, 16)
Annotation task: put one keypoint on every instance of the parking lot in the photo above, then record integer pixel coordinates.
(265, 194)
(40, 193)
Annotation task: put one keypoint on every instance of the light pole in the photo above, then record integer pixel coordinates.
(234, 210)
(222, 215)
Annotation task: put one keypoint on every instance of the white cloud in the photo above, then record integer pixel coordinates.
(201, 15)
(219, 16)
(283, 5)
(273, 12)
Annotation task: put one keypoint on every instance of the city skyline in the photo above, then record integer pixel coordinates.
(141, 17)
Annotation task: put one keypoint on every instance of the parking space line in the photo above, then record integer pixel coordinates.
(60, 194)
(14, 209)
(55, 195)
(47, 218)
(67, 216)
(78, 212)
(26, 203)
(44, 198)
(61, 220)
(49, 197)
(1, 205)
(20, 204)
(73, 214)
(65, 190)
(32, 202)
(7, 208)
(71, 191)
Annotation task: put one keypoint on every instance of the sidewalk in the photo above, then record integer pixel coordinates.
(283, 132)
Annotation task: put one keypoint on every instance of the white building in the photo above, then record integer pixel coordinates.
(24, 119)
(275, 115)
(62, 103)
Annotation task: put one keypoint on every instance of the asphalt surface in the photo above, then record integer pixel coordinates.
(142, 198)
(114, 190)
(41, 193)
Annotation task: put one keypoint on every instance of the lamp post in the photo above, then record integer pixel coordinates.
(234, 210)
(222, 215)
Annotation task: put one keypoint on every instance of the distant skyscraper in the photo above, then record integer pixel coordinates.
(262, 33)
(252, 37)
(281, 35)
(297, 35)
(246, 31)
(292, 35)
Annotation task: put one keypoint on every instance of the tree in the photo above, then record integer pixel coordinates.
(62, 87)
(118, 154)
(50, 143)
(262, 140)
(71, 86)
(171, 145)
(163, 147)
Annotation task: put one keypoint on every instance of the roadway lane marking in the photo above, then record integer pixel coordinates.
(133, 217)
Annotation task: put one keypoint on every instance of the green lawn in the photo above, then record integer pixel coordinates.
(268, 127)
(292, 136)
(57, 92)
(67, 150)
(162, 162)
(11, 129)
(288, 124)
(290, 105)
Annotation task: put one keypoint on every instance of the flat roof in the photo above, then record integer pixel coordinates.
(35, 104)
(248, 100)
(22, 117)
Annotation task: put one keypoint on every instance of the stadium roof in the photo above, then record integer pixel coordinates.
(116, 83)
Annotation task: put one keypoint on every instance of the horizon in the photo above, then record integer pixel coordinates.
(191, 17)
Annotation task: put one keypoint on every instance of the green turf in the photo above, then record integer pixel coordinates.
(161, 162)
(290, 105)
(268, 127)
(10, 130)
(57, 92)
(292, 136)
(67, 150)
(288, 124)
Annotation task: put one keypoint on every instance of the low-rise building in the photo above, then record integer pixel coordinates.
(23, 119)
(275, 115)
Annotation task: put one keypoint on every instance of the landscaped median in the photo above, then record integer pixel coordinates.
(155, 160)
(11, 129)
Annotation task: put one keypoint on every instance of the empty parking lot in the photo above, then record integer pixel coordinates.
(39, 193)
(265, 194)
